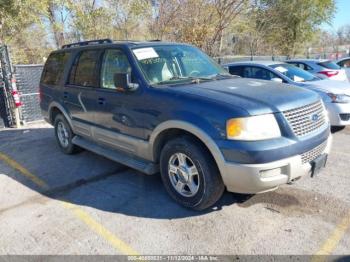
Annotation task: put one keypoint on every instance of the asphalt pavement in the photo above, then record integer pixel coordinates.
(84, 204)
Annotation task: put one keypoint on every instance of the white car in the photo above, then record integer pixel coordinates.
(335, 94)
(344, 63)
(321, 68)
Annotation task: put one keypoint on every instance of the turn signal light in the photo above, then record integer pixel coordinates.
(233, 127)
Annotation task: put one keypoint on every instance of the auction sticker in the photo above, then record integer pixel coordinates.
(145, 53)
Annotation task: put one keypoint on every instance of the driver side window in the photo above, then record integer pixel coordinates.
(114, 62)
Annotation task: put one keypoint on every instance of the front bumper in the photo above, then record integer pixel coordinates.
(248, 178)
(335, 110)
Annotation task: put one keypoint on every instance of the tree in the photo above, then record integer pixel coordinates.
(16, 15)
(202, 22)
(90, 20)
(58, 14)
(294, 22)
(129, 17)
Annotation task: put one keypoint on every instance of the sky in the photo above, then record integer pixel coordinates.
(342, 15)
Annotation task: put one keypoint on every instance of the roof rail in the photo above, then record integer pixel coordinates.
(90, 42)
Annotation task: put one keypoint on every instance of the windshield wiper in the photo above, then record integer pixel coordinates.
(221, 76)
(192, 79)
(195, 79)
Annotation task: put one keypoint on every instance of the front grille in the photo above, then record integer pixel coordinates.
(306, 119)
(313, 153)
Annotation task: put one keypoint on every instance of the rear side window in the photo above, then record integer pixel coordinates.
(344, 63)
(329, 65)
(301, 65)
(236, 70)
(258, 73)
(54, 68)
(84, 71)
(304, 67)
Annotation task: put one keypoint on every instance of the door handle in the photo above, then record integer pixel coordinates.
(65, 95)
(101, 101)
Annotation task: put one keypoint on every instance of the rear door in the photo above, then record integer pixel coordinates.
(80, 90)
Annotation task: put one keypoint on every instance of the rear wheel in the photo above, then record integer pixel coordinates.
(64, 135)
(189, 174)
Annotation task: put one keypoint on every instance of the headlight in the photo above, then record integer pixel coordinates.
(339, 98)
(253, 128)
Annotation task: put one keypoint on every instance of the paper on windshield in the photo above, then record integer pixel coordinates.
(281, 69)
(145, 53)
(298, 79)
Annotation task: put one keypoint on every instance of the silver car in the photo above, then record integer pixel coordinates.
(344, 63)
(335, 94)
(321, 68)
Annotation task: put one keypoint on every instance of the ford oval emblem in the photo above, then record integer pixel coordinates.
(315, 117)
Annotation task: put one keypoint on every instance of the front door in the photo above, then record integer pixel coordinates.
(119, 113)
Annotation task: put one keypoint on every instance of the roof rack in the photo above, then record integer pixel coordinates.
(90, 42)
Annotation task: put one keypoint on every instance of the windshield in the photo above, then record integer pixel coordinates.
(294, 73)
(168, 64)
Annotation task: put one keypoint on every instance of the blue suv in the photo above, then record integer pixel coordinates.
(169, 108)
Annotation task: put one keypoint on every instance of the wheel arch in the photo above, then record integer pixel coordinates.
(55, 109)
(174, 128)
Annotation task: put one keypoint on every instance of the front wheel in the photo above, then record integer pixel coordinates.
(190, 174)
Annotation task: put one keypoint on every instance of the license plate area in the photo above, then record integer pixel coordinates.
(317, 164)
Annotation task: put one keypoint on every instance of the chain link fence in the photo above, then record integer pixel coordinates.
(230, 59)
(28, 78)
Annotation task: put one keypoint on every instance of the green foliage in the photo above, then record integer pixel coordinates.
(292, 23)
(258, 26)
(15, 15)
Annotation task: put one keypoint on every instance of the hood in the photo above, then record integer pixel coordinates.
(329, 86)
(254, 96)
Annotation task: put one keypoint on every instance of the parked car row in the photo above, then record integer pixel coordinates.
(169, 108)
(321, 68)
(335, 94)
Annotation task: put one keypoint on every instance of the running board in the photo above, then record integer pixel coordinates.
(141, 165)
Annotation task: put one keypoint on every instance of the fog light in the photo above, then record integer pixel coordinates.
(270, 172)
(344, 117)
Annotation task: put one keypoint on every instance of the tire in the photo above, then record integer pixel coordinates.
(199, 188)
(67, 146)
(335, 129)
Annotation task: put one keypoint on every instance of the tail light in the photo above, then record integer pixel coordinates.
(329, 73)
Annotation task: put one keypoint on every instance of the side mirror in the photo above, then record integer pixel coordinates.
(276, 79)
(123, 81)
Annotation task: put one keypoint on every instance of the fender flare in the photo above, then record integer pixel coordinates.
(61, 108)
(194, 130)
